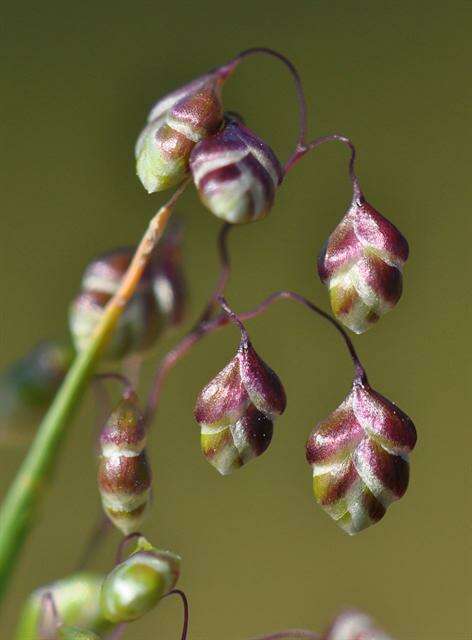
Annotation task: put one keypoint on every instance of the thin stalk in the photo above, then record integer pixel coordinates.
(128, 388)
(225, 270)
(183, 597)
(20, 505)
(357, 195)
(235, 319)
(120, 552)
(168, 361)
(289, 634)
(49, 620)
(208, 327)
(100, 529)
(118, 632)
(228, 68)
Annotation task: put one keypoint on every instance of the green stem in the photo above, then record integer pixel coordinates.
(20, 504)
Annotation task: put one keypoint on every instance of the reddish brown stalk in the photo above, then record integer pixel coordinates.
(357, 195)
(225, 270)
(123, 544)
(228, 68)
(128, 390)
(100, 529)
(183, 597)
(49, 620)
(235, 319)
(289, 634)
(205, 328)
(117, 632)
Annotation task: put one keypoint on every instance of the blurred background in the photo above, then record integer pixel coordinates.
(77, 80)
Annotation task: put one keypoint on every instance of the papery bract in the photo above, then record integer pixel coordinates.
(361, 264)
(236, 410)
(359, 456)
(236, 173)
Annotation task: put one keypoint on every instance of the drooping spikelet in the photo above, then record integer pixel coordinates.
(236, 410)
(359, 456)
(137, 584)
(236, 173)
(175, 125)
(361, 264)
(139, 324)
(124, 475)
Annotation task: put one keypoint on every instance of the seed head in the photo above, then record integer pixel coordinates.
(361, 264)
(175, 125)
(236, 410)
(137, 584)
(359, 456)
(140, 323)
(124, 475)
(236, 173)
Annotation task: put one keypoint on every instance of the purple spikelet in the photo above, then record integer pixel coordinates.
(236, 173)
(236, 410)
(359, 456)
(361, 264)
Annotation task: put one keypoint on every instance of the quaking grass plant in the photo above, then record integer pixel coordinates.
(359, 454)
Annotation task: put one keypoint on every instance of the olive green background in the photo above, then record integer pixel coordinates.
(258, 554)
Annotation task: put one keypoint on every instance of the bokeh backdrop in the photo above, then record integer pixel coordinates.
(258, 554)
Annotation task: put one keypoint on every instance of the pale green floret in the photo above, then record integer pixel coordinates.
(136, 585)
(156, 172)
(77, 599)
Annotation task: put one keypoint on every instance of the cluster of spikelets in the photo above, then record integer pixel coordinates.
(359, 454)
(158, 302)
(89, 606)
(86, 606)
(237, 174)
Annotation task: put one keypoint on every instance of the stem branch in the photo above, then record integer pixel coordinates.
(288, 634)
(209, 326)
(357, 195)
(302, 109)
